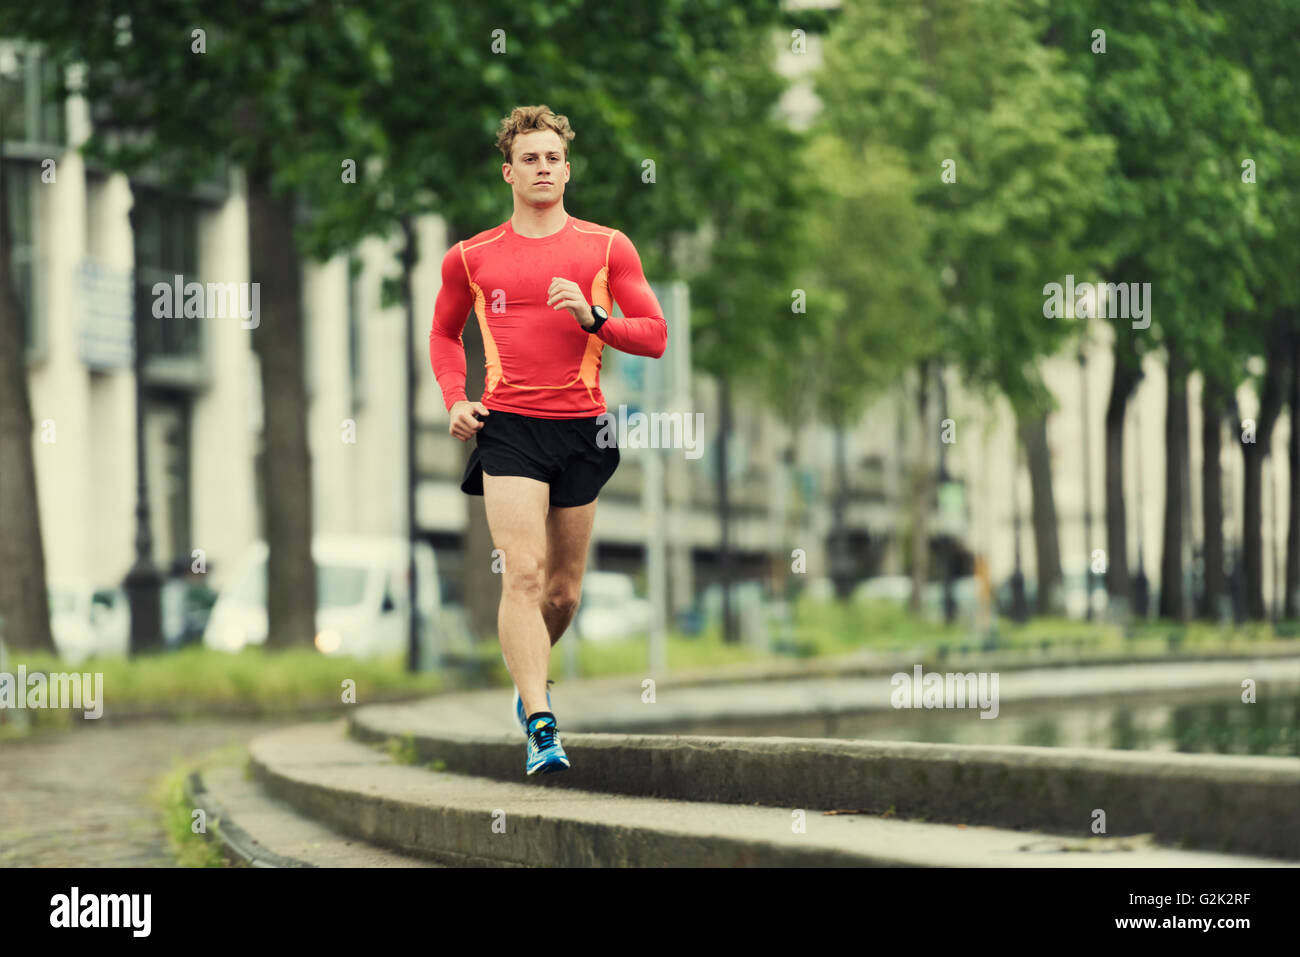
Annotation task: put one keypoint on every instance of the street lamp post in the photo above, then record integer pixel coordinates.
(1087, 487)
(410, 254)
(143, 583)
(948, 489)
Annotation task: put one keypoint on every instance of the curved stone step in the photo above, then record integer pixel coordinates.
(255, 830)
(364, 792)
(1237, 804)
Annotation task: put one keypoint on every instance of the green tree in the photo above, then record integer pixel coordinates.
(1183, 114)
(1261, 37)
(990, 126)
(272, 87)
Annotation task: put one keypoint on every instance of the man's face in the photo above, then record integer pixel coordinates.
(539, 171)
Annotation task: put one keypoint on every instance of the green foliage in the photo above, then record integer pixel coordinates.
(1183, 111)
(752, 186)
(917, 90)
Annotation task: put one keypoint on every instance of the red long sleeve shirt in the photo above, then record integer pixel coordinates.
(539, 361)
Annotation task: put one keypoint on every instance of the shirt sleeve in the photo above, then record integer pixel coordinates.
(641, 330)
(450, 312)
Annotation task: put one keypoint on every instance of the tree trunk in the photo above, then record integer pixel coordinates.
(729, 635)
(24, 602)
(921, 493)
(1172, 603)
(1216, 582)
(841, 559)
(286, 475)
(1253, 455)
(1124, 380)
(1293, 486)
(1047, 546)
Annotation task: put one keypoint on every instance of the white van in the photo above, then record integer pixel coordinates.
(87, 622)
(361, 597)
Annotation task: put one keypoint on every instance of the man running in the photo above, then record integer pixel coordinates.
(542, 285)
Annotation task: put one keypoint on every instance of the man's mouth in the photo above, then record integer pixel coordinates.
(545, 182)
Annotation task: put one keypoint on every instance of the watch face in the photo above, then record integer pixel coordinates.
(599, 312)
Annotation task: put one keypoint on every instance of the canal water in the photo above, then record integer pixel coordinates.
(1220, 725)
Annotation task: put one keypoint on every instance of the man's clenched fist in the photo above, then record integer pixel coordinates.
(463, 421)
(566, 294)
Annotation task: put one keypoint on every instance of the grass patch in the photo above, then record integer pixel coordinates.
(827, 628)
(402, 749)
(832, 628)
(600, 659)
(191, 849)
(195, 681)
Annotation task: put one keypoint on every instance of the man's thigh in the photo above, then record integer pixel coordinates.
(568, 534)
(517, 517)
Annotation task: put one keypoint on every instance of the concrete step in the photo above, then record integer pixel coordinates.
(1237, 804)
(363, 792)
(255, 830)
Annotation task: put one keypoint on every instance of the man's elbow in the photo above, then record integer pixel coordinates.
(661, 344)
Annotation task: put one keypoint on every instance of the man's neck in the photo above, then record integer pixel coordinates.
(533, 222)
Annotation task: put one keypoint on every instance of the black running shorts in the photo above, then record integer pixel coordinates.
(560, 452)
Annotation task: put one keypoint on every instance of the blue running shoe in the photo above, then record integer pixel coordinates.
(519, 707)
(545, 753)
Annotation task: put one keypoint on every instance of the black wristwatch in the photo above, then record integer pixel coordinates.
(601, 315)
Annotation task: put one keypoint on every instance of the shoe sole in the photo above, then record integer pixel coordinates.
(550, 767)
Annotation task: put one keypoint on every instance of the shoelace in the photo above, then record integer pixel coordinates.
(544, 737)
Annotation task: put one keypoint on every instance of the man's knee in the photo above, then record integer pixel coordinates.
(561, 598)
(524, 577)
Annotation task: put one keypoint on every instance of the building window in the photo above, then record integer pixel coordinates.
(33, 118)
(34, 130)
(166, 246)
(22, 262)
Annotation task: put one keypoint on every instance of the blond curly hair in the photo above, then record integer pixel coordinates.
(526, 119)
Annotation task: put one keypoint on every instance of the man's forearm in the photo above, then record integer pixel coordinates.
(447, 356)
(642, 331)
(450, 312)
(639, 336)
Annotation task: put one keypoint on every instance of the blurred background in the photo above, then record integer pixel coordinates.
(852, 213)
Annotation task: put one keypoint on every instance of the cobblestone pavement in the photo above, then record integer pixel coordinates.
(85, 798)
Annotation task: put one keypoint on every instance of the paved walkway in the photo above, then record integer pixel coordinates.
(84, 798)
